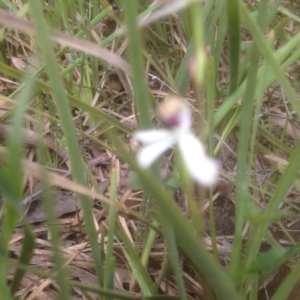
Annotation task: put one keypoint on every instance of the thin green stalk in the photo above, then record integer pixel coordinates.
(119, 295)
(60, 272)
(243, 167)
(109, 269)
(234, 36)
(63, 13)
(256, 115)
(142, 276)
(196, 20)
(81, 33)
(282, 57)
(269, 57)
(11, 181)
(190, 246)
(222, 29)
(141, 96)
(286, 287)
(210, 107)
(74, 100)
(173, 256)
(285, 182)
(63, 107)
(285, 257)
(24, 259)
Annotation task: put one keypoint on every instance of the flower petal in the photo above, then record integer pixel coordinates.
(202, 168)
(186, 119)
(152, 135)
(150, 152)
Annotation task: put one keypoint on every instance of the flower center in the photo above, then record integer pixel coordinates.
(173, 121)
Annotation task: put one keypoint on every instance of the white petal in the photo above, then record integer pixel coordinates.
(150, 152)
(202, 168)
(152, 135)
(185, 119)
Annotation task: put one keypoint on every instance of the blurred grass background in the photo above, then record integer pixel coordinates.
(79, 218)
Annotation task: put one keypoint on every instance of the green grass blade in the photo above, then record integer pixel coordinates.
(96, 113)
(234, 36)
(63, 108)
(190, 245)
(24, 259)
(269, 57)
(285, 182)
(142, 276)
(11, 177)
(285, 288)
(282, 57)
(141, 95)
(285, 257)
(109, 269)
(243, 167)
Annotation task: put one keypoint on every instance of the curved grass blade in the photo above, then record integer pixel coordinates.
(67, 40)
(285, 288)
(100, 115)
(269, 57)
(24, 259)
(286, 181)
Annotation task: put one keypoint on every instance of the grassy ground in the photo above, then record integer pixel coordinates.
(80, 218)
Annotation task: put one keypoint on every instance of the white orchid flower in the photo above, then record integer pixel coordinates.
(177, 117)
